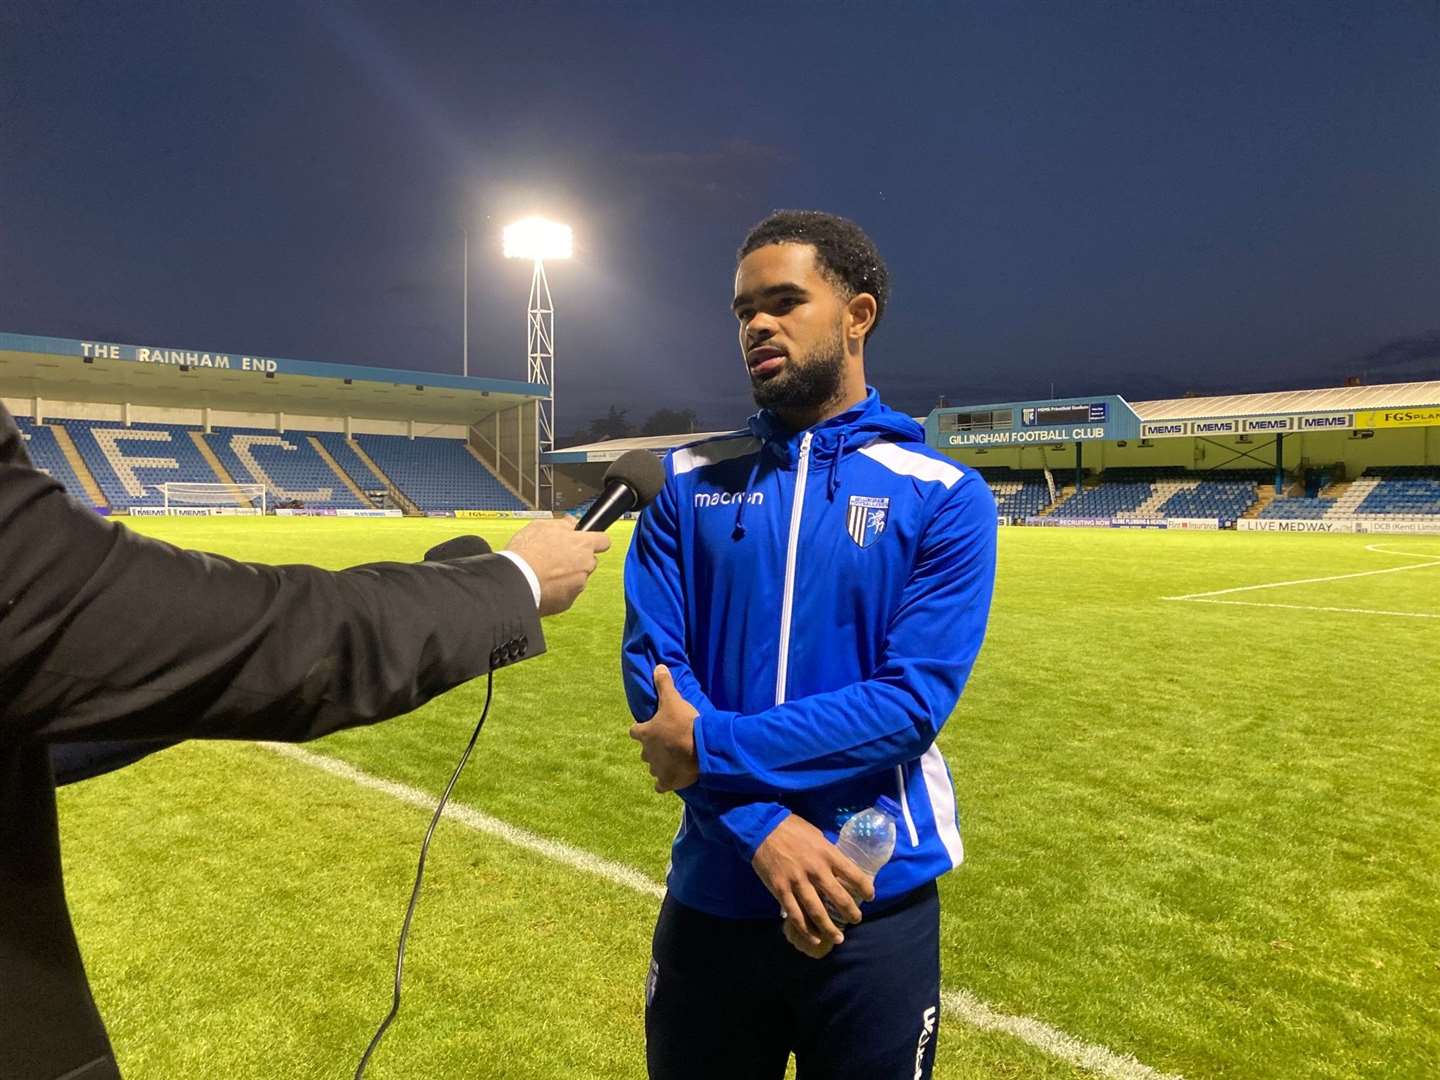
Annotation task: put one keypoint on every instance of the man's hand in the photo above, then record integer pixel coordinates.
(562, 559)
(805, 871)
(811, 947)
(667, 739)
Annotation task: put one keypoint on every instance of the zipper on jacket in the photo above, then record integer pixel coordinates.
(905, 805)
(792, 548)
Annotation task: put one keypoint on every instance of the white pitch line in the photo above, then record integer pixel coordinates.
(474, 819)
(1097, 1059)
(961, 1004)
(1305, 581)
(1408, 554)
(1307, 607)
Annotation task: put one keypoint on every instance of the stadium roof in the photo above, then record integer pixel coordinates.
(611, 449)
(1336, 399)
(1290, 403)
(60, 369)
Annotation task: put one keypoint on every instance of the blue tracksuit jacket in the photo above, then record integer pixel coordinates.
(820, 598)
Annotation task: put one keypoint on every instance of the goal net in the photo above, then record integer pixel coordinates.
(248, 499)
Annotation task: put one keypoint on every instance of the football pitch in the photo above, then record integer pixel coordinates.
(1199, 780)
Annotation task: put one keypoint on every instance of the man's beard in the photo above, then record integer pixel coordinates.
(805, 384)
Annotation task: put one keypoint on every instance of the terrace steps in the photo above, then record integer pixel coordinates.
(1065, 493)
(410, 509)
(77, 463)
(334, 466)
(222, 474)
(496, 473)
(1265, 495)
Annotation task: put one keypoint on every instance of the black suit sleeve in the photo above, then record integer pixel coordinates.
(106, 634)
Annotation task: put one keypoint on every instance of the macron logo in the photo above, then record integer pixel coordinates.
(727, 498)
(927, 1032)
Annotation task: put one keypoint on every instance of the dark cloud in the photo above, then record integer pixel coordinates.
(1139, 199)
(1415, 357)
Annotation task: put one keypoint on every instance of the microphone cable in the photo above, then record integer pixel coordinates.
(419, 876)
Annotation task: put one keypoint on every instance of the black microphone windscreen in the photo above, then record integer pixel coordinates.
(640, 471)
(460, 547)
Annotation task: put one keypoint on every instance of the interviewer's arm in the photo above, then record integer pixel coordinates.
(106, 634)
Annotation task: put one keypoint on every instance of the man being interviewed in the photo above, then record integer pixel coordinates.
(805, 600)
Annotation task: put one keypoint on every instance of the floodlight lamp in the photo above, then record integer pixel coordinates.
(537, 239)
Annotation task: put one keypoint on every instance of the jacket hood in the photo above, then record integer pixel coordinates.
(834, 437)
(830, 441)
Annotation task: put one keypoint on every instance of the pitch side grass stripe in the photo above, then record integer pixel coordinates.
(961, 1004)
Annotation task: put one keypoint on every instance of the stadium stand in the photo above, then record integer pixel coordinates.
(1393, 492)
(1225, 499)
(1164, 493)
(1019, 493)
(287, 465)
(1110, 498)
(1405, 491)
(128, 463)
(1298, 508)
(47, 455)
(339, 448)
(438, 474)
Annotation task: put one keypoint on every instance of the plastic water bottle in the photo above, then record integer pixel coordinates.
(868, 838)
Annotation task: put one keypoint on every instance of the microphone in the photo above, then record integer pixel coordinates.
(460, 547)
(631, 482)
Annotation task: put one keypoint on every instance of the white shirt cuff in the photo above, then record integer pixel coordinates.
(529, 574)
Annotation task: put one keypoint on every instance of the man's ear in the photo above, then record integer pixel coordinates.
(860, 315)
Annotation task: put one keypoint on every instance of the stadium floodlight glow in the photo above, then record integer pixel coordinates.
(537, 239)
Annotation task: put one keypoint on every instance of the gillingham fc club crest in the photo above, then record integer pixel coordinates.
(867, 519)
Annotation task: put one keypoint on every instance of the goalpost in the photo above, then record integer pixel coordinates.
(240, 499)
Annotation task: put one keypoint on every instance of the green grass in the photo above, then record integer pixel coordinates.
(1202, 834)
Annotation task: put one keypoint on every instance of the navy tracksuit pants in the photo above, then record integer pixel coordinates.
(731, 999)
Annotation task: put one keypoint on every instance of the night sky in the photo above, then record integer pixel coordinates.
(1140, 198)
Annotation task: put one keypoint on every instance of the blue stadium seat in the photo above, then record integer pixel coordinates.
(1019, 493)
(1412, 491)
(45, 452)
(338, 448)
(1165, 492)
(1298, 507)
(438, 474)
(128, 463)
(288, 466)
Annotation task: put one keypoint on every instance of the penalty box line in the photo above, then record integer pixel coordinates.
(1309, 607)
(1305, 581)
(961, 1004)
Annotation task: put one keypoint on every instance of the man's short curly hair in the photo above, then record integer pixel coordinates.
(845, 255)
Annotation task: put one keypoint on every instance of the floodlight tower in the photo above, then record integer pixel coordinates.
(537, 240)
